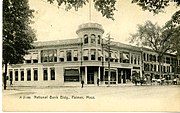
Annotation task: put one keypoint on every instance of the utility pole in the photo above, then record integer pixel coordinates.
(108, 46)
(81, 61)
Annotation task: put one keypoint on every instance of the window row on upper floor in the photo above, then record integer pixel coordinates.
(156, 68)
(85, 55)
(154, 58)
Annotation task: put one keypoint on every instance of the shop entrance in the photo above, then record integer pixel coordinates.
(90, 74)
(124, 75)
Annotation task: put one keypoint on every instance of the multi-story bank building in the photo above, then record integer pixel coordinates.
(67, 62)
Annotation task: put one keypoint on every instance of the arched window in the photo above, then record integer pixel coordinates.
(93, 39)
(99, 39)
(85, 39)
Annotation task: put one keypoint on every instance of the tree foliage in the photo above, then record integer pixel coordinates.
(155, 6)
(18, 36)
(160, 39)
(174, 24)
(153, 36)
(106, 7)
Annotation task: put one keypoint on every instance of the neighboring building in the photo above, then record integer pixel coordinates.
(67, 62)
(151, 65)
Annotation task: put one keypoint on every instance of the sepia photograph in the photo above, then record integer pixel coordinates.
(90, 55)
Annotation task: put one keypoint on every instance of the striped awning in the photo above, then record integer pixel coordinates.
(27, 57)
(125, 56)
(106, 54)
(113, 55)
(116, 55)
(85, 53)
(100, 53)
(35, 56)
(75, 53)
(61, 55)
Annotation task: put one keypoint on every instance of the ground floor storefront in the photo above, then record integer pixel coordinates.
(69, 75)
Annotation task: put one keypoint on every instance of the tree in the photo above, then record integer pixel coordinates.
(153, 36)
(155, 6)
(106, 7)
(174, 23)
(18, 36)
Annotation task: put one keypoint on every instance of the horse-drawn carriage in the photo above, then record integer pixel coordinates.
(136, 79)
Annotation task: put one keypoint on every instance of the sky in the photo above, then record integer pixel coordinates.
(53, 23)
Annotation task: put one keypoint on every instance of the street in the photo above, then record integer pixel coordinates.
(93, 98)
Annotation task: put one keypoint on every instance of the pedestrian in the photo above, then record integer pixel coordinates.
(98, 81)
(10, 81)
(151, 79)
(175, 81)
(82, 83)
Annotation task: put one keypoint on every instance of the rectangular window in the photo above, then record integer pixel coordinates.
(49, 55)
(61, 56)
(125, 57)
(35, 61)
(75, 54)
(144, 55)
(167, 60)
(52, 73)
(135, 59)
(16, 75)
(28, 75)
(61, 59)
(45, 74)
(28, 61)
(22, 75)
(155, 67)
(69, 55)
(151, 66)
(164, 68)
(93, 54)
(71, 75)
(35, 74)
(85, 54)
(138, 60)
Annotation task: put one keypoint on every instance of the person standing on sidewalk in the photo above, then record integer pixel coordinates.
(82, 83)
(98, 81)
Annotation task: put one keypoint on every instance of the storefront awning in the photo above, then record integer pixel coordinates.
(75, 53)
(85, 53)
(100, 54)
(27, 57)
(106, 54)
(35, 56)
(93, 52)
(125, 56)
(113, 56)
(116, 56)
(61, 55)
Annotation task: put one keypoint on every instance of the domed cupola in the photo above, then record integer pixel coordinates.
(91, 33)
